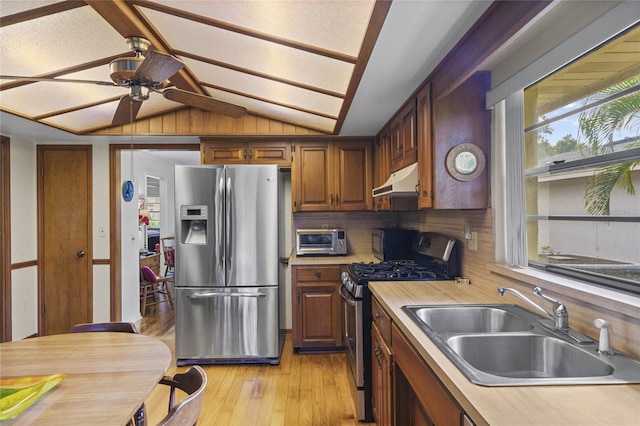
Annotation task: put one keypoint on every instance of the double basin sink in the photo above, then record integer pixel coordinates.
(507, 345)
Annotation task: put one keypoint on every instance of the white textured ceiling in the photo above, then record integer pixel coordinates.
(289, 60)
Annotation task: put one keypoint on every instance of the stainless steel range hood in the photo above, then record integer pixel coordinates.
(402, 183)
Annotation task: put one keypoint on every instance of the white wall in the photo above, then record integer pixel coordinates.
(145, 163)
(24, 232)
(101, 246)
(24, 242)
(562, 195)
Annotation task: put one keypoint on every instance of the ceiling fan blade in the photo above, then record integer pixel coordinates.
(157, 67)
(126, 112)
(205, 103)
(55, 80)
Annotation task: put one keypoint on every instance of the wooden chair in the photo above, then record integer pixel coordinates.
(187, 411)
(119, 327)
(152, 285)
(169, 252)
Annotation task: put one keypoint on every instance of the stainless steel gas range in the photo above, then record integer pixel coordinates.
(432, 257)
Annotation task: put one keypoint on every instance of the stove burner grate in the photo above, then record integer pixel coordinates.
(396, 270)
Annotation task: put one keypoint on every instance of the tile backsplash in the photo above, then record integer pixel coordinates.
(357, 224)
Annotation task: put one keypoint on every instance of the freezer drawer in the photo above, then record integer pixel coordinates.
(227, 325)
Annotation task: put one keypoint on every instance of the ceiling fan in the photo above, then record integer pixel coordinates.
(143, 75)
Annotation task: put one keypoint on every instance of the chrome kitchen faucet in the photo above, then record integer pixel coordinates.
(560, 314)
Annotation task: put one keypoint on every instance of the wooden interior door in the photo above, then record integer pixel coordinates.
(64, 237)
(5, 242)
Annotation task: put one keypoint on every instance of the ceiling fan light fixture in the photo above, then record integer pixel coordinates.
(139, 92)
(138, 44)
(123, 69)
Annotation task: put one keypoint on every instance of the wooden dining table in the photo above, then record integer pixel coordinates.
(109, 375)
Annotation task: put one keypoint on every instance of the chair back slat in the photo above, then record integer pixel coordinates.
(118, 327)
(169, 256)
(187, 411)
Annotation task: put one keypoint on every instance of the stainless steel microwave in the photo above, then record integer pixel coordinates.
(392, 243)
(321, 242)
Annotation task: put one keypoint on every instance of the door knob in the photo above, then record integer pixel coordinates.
(80, 253)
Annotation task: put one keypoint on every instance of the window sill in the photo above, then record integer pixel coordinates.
(609, 299)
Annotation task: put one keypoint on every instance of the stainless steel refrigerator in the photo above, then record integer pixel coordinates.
(228, 291)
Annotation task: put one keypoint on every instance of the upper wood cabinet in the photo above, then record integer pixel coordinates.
(381, 167)
(332, 176)
(232, 152)
(402, 131)
(382, 171)
(425, 147)
(461, 117)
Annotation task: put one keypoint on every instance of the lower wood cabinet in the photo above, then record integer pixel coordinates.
(381, 379)
(420, 398)
(317, 313)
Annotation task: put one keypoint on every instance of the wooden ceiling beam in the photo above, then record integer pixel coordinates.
(258, 74)
(378, 16)
(127, 21)
(39, 12)
(247, 32)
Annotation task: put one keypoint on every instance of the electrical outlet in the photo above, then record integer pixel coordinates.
(473, 242)
(102, 231)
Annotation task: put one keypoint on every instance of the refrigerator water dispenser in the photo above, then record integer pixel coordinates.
(194, 224)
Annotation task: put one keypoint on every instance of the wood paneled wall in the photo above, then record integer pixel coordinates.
(452, 223)
(195, 122)
(479, 267)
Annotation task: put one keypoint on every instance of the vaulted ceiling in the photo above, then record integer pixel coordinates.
(340, 67)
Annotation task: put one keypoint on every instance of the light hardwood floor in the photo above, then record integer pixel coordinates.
(305, 389)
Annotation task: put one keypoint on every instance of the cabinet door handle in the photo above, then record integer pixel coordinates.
(318, 275)
(337, 199)
(331, 199)
(244, 155)
(80, 253)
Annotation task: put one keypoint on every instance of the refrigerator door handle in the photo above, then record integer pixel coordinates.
(228, 224)
(219, 221)
(208, 294)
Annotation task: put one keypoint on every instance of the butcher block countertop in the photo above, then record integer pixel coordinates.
(615, 405)
(332, 260)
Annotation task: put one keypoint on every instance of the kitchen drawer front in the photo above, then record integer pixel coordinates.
(314, 274)
(382, 320)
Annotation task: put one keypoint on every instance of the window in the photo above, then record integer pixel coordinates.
(582, 167)
(153, 207)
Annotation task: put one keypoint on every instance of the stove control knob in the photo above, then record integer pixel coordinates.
(345, 277)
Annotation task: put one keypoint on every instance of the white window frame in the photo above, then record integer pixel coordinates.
(507, 104)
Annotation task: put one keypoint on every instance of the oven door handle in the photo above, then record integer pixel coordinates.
(346, 296)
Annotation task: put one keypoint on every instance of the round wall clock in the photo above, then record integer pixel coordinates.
(465, 162)
(127, 190)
